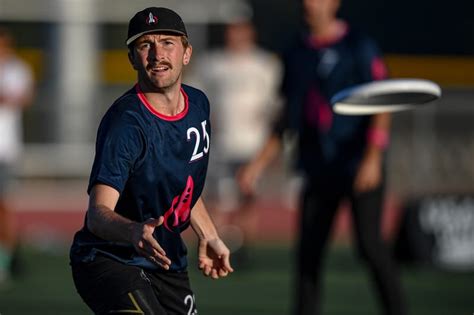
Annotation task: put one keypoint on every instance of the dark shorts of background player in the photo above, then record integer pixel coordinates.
(108, 286)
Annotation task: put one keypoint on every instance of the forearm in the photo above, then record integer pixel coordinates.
(109, 225)
(267, 154)
(213, 255)
(202, 223)
(378, 135)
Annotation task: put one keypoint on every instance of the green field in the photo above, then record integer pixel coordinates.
(45, 287)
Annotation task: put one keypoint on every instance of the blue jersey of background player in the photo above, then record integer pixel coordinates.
(340, 156)
(331, 146)
(148, 174)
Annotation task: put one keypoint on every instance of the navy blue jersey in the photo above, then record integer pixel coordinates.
(158, 164)
(330, 145)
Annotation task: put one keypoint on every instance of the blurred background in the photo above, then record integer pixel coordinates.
(77, 52)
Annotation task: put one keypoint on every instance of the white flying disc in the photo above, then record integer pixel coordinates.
(390, 95)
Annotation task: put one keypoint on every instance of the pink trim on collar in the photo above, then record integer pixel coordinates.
(147, 104)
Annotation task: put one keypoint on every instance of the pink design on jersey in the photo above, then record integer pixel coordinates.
(318, 110)
(180, 206)
(378, 69)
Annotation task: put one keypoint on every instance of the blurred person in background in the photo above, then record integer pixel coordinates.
(341, 157)
(146, 181)
(16, 91)
(241, 80)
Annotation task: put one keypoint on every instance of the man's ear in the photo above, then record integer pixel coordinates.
(187, 54)
(132, 61)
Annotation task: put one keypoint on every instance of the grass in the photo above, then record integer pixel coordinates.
(46, 287)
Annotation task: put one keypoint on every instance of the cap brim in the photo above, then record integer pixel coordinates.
(134, 37)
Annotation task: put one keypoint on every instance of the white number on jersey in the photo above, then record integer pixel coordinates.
(197, 135)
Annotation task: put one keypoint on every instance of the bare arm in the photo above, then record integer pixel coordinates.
(104, 222)
(369, 174)
(249, 174)
(214, 256)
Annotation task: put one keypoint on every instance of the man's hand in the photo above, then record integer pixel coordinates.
(104, 222)
(146, 245)
(369, 174)
(249, 174)
(247, 177)
(214, 258)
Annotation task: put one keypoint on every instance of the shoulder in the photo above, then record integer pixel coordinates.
(125, 106)
(18, 64)
(360, 41)
(17, 69)
(266, 56)
(196, 96)
(124, 114)
(296, 48)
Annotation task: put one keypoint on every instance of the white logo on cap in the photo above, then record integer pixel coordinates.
(151, 19)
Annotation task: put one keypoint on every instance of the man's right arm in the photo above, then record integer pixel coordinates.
(105, 223)
(102, 220)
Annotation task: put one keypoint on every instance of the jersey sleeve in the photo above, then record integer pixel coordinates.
(120, 142)
(207, 105)
(369, 59)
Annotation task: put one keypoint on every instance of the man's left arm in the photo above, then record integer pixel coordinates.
(213, 254)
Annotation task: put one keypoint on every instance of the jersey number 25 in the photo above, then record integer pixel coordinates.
(197, 154)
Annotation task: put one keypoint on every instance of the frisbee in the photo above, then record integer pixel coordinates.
(390, 95)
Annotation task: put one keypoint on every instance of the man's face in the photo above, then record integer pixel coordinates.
(239, 35)
(159, 59)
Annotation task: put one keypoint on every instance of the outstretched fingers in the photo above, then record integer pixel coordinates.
(149, 247)
(159, 260)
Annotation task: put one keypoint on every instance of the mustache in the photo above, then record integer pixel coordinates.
(158, 64)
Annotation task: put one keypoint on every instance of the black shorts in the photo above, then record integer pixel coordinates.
(108, 286)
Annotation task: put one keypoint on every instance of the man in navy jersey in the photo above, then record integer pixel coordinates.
(342, 157)
(149, 171)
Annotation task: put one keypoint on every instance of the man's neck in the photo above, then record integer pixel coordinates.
(169, 102)
(328, 30)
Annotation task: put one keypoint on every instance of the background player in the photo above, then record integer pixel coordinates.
(148, 174)
(16, 92)
(241, 80)
(340, 156)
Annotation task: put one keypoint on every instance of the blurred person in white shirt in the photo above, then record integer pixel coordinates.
(241, 79)
(16, 90)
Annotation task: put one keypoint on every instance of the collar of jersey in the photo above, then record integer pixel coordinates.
(147, 104)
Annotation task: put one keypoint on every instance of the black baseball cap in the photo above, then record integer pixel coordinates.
(154, 20)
